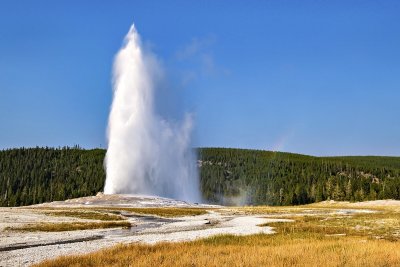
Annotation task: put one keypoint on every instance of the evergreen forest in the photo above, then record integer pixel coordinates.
(227, 176)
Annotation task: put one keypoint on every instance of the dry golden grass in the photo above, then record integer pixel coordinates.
(320, 206)
(279, 210)
(318, 218)
(69, 226)
(366, 239)
(256, 250)
(353, 205)
(383, 225)
(90, 212)
(162, 212)
(84, 214)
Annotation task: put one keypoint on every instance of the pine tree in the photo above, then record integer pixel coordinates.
(349, 190)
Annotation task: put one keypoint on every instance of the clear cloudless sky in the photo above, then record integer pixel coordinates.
(317, 77)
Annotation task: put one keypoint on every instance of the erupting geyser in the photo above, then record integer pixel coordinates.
(147, 154)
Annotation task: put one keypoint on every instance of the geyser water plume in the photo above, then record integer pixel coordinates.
(147, 154)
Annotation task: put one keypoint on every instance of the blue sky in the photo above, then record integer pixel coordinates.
(313, 77)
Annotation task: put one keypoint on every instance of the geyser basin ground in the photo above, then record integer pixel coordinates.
(155, 219)
(129, 200)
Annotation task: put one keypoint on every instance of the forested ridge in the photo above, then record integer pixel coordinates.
(227, 176)
(240, 176)
(36, 175)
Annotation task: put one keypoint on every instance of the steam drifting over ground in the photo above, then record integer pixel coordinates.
(147, 154)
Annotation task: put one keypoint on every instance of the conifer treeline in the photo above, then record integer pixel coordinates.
(238, 176)
(36, 175)
(228, 176)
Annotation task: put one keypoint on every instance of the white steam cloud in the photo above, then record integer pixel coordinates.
(147, 154)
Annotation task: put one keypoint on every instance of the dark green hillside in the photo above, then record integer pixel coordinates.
(369, 161)
(228, 176)
(236, 176)
(35, 175)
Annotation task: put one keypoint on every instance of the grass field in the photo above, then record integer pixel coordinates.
(256, 250)
(319, 236)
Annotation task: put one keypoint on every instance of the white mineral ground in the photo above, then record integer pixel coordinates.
(26, 248)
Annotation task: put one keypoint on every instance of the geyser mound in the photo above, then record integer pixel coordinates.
(147, 153)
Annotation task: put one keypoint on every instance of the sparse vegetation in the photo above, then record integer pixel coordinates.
(113, 213)
(382, 224)
(363, 239)
(162, 212)
(84, 214)
(69, 226)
